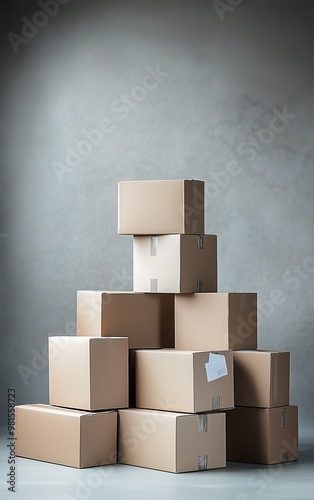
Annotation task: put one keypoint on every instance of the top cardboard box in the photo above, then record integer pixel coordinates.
(161, 207)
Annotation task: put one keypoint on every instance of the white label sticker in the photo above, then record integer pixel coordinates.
(216, 367)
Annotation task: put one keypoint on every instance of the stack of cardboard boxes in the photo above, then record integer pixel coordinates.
(175, 425)
(263, 428)
(151, 374)
(88, 381)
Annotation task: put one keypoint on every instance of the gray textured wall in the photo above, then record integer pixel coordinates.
(233, 105)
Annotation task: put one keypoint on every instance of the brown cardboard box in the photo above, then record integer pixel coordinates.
(146, 319)
(216, 321)
(175, 263)
(262, 435)
(88, 373)
(172, 442)
(161, 207)
(65, 437)
(184, 381)
(261, 378)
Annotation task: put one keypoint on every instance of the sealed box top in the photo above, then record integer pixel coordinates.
(161, 207)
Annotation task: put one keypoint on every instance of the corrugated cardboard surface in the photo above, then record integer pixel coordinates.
(172, 442)
(69, 372)
(179, 263)
(262, 435)
(164, 266)
(216, 321)
(206, 442)
(175, 380)
(261, 378)
(65, 437)
(283, 425)
(161, 207)
(147, 439)
(88, 373)
(146, 319)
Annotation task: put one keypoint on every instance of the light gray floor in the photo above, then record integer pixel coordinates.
(39, 480)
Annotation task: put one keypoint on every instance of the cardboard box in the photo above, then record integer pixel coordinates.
(146, 319)
(65, 437)
(175, 263)
(88, 373)
(172, 442)
(261, 378)
(262, 435)
(161, 207)
(184, 381)
(216, 321)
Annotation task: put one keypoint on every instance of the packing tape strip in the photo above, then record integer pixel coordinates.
(202, 423)
(153, 245)
(199, 286)
(200, 241)
(154, 285)
(284, 418)
(202, 462)
(215, 402)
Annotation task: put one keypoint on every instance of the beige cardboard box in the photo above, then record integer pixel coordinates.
(161, 207)
(184, 381)
(261, 378)
(262, 435)
(216, 321)
(146, 319)
(65, 437)
(175, 263)
(88, 373)
(172, 442)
